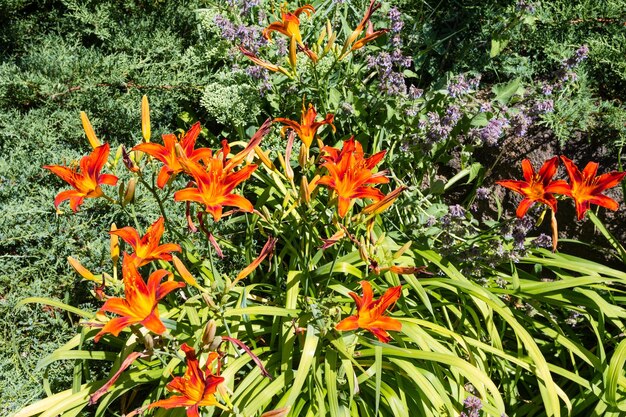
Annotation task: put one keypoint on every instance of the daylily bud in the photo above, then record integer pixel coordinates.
(215, 344)
(91, 134)
(303, 157)
(148, 341)
(184, 272)
(115, 245)
(82, 271)
(305, 194)
(118, 155)
(145, 118)
(292, 53)
(264, 158)
(130, 191)
(207, 299)
(362, 251)
(209, 332)
(403, 249)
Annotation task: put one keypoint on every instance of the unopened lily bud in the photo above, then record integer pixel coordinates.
(321, 38)
(130, 191)
(264, 158)
(215, 344)
(207, 299)
(91, 134)
(118, 155)
(115, 245)
(148, 341)
(380, 239)
(82, 271)
(292, 53)
(266, 212)
(145, 118)
(363, 250)
(403, 249)
(305, 194)
(209, 332)
(303, 157)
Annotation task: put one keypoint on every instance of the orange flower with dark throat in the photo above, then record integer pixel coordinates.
(147, 248)
(86, 180)
(197, 387)
(586, 188)
(166, 153)
(308, 127)
(216, 181)
(140, 302)
(289, 24)
(350, 173)
(536, 187)
(370, 314)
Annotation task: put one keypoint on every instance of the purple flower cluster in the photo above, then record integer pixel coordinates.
(456, 211)
(243, 5)
(262, 75)
(541, 107)
(461, 85)
(472, 407)
(542, 241)
(391, 81)
(520, 122)
(483, 193)
(395, 17)
(494, 130)
(415, 93)
(579, 56)
(525, 6)
(249, 37)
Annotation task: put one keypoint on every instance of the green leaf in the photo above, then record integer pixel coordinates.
(503, 92)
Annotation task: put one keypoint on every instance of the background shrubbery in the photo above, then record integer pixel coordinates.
(62, 57)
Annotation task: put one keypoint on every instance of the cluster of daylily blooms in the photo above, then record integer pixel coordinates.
(289, 25)
(585, 188)
(213, 176)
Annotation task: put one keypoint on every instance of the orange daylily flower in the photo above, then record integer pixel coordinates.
(537, 187)
(370, 34)
(370, 314)
(289, 24)
(167, 153)
(307, 128)
(214, 185)
(586, 188)
(140, 302)
(147, 248)
(197, 387)
(350, 173)
(86, 180)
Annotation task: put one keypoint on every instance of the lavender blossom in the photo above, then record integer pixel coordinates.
(472, 406)
(227, 27)
(485, 107)
(542, 241)
(579, 56)
(493, 131)
(546, 89)
(395, 18)
(453, 115)
(524, 6)
(482, 193)
(541, 107)
(415, 93)
(456, 211)
(458, 86)
(411, 111)
(520, 123)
